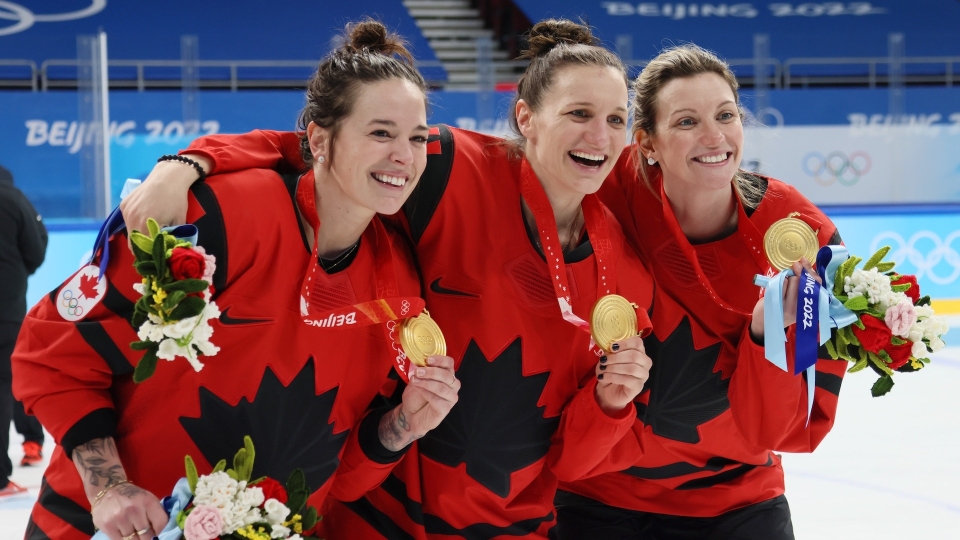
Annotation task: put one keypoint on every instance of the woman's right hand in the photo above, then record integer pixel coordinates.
(128, 512)
(163, 195)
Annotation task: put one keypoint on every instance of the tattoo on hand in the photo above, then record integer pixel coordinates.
(99, 463)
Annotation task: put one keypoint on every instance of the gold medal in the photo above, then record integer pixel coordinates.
(613, 318)
(787, 241)
(421, 337)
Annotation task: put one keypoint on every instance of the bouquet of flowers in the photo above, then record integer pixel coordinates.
(174, 312)
(227, 504)
(896, 329)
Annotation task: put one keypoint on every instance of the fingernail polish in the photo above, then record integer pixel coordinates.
(602, 367)
(615, 347)
(600, 377)
(603, 359)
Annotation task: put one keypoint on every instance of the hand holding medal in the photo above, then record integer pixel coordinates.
(624, 367)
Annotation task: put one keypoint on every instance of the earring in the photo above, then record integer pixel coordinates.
(321, 159)
(650, 161)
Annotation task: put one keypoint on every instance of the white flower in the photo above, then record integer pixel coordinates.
(140, 288)
(181, 328)
(919, 350)
(150, 330)
(279, 531)
(869, 283)
(215, 489)
(277, 512)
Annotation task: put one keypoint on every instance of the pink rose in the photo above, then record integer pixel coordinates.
(900, 318)
(204, 523)
(211, 264)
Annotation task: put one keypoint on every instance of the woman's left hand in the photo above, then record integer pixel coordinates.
(427, 399)
(791, 293)
(621, 374)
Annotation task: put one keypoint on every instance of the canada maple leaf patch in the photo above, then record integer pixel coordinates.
(496, 428)
(685, 391)
(290, 424)
(80, 294)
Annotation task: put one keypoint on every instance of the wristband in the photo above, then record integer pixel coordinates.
(96, 500)
(188, 161)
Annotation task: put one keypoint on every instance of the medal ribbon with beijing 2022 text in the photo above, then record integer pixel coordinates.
(596, 225)
(387, 308)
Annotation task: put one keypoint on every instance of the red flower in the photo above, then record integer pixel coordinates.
(914, 291)
(899, 354)
(272, 490)
(186, 263)
(875, 336)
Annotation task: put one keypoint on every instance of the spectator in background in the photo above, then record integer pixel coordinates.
(22, 248)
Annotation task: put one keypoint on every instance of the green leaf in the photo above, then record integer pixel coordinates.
(153, 227)
(879, 362)
(181, 518)
(233, 474)
(139, 317)
(857, 303)
(876, 258)
(897, 340)
(173, 300)
(308, 518)
(144, 243)
(832, 349)
(146, 268)
(169, 242)
(885, 267)
(158, 254)
(859, 366)
(238, 460)
(190, 306)
(192, 476)
(220, 466)
(146, 366)
(924, 301)
(144, 345)
(188, 286)
(297, 492)
(251, 455)
(882, 386)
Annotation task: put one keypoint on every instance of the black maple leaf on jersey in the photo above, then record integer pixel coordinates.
(289, 425)
(496, 427)
(685, 392)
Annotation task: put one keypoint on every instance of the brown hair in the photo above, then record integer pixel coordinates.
(369, 54)
(675, 63)
(552, 45)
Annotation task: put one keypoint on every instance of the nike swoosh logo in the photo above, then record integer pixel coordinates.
(228, 320)
(440, 289)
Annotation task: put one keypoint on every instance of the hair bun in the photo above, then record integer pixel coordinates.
(374, 37)
(545, 35)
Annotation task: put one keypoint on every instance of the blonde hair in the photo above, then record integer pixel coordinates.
(675, 63)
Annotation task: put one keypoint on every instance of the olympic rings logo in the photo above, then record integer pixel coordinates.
(404, 308)
(906, 250)
(24, 18)
(836, 167)
(70, 303)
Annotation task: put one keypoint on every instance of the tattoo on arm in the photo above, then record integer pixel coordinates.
(99, 463)
(395, 432)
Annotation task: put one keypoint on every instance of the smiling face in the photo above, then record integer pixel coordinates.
(698, 139)
(380, 150)
(579, 129)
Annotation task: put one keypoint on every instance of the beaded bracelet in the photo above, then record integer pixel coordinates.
(96, 500)
(188, 161)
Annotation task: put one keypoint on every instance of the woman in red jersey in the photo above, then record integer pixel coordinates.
(515, 250)
(299, 391)
(716, 411)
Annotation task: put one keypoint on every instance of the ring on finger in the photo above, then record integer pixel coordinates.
(130, 536)
(143, 531)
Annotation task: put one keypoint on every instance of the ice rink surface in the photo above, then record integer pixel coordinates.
(890, 469)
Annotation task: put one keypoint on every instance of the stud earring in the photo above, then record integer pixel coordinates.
(650, 161)
(321, 159)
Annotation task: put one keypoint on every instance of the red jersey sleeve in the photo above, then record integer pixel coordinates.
(64, 368)
(258, 149)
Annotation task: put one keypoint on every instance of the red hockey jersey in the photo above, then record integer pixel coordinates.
(714, 411)
(298, 391)
(526, 415)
